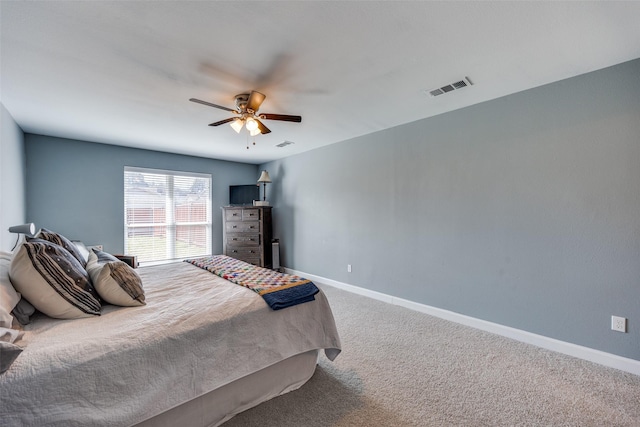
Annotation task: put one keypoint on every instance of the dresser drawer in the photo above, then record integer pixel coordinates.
(251, 255)
(250, 214)
(242, 227)
(233, 214)
(243, 239)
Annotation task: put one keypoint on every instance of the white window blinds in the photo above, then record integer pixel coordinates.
(167, 214)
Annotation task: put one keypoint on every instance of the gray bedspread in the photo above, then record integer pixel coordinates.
(197, 332)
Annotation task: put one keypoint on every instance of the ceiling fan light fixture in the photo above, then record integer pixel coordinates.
(237, 125)
(251, 124)
(254, 132)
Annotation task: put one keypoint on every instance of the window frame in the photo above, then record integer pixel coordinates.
(170, 224)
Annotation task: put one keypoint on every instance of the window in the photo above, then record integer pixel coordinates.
(167, 215)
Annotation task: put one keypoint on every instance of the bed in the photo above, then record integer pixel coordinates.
(200, 350)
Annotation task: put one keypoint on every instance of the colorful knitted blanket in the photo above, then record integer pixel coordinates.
(279, 290)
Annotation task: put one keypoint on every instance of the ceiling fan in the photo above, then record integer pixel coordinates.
(247, 105)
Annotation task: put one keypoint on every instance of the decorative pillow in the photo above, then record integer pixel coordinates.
(8, 295)
(59, 240)
(115, 281)
(82, 250)
(103, 256)
(8, 353)
(53, 280)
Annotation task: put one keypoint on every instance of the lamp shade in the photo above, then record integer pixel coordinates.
(264, 177)
(237, 125)
(26, 229)
(251, 124)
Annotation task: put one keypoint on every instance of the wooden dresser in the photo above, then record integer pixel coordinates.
(247, 234)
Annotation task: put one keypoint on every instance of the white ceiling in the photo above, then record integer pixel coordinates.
(123, 72)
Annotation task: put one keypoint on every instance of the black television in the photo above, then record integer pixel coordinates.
(242, 195)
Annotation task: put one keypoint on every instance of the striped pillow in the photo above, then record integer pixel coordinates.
(54, 281)
(60, 240)
(115, 281)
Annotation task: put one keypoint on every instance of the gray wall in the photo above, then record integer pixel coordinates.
(12, 178)
(523, 211)
(77, 188)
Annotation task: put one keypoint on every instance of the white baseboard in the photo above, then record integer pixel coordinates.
(585, 353)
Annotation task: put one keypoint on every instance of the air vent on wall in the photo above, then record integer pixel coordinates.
(450, 87)
(284, 144)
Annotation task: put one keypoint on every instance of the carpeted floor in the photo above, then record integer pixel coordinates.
(404, 368)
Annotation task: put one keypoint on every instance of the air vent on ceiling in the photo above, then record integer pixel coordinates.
(284, 144)
(450, 87)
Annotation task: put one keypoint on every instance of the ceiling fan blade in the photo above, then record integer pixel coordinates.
(283, 117)
(221, 122)
(255, 100)
(263, 129)
(212, 105)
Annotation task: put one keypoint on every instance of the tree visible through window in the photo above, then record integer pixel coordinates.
(167, 214)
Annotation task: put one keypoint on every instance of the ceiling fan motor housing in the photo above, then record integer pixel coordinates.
(241, 102)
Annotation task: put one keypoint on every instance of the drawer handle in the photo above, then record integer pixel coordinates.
(234, 251)
(235, 226)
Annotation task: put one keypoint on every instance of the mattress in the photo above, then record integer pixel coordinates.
(197, 333)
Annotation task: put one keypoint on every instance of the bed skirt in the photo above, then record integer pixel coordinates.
(220, 405)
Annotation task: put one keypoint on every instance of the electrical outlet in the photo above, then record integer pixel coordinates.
(618, 324)
(348, 268)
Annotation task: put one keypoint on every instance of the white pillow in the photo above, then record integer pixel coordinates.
(9, 335)
(53, 280)
(8, 295)
(115, 281)
(82, 250)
